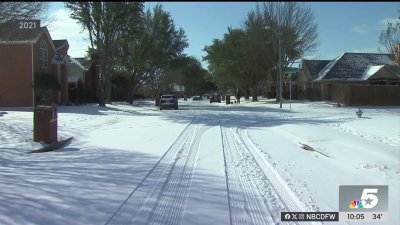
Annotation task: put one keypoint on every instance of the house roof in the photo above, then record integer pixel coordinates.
(60, 43)
(353, 66)
(379, 72)
(11, 33)
(71, 60)
(315, 66)
(86, 63)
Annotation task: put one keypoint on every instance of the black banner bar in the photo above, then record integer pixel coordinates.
(310, 216)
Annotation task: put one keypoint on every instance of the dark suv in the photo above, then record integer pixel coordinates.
(168, 101)
(215, 98)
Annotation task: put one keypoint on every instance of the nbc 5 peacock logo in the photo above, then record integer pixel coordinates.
(368, 199)
(363, 198)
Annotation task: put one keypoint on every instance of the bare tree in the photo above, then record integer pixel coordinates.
(23, 10)
(390, 37)
(295, 25)
(103, 21)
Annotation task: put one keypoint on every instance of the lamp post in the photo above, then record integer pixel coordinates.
(279, 63)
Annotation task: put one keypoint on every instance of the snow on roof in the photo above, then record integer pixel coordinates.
(352, 66)
(371, 70)
(76, 62)
(86, 63)
(314, 66)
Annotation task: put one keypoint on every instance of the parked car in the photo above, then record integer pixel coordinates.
(215, 98)
(168, 101)
(197, 98)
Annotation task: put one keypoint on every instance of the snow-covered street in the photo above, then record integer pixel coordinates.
(202, 164)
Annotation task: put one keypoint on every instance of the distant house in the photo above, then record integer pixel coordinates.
(362, 67)
(358, 79)
(309, 70)
(76, 80)
(26, 54)
(91, 77)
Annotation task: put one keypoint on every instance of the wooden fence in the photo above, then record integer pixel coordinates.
(356, 94)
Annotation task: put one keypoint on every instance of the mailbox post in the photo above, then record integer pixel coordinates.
(45, 123)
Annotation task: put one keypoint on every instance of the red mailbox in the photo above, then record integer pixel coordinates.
(45, 123)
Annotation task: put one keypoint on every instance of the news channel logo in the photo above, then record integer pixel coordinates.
(363, 198)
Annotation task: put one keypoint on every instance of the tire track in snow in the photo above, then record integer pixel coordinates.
(257, 194)
(245, 203)
(161, 196)
(176, 189)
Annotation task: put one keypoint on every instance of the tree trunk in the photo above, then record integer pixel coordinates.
(278, 89)
(246, 94)
(129, 97)
(254, 93)
(108, 88)
(102, 98)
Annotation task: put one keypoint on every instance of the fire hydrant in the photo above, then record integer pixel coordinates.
(359, 113)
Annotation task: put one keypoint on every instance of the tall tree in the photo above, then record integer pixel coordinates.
(244, 56)
(188, 72)
(257, 50)
(103, 21)
(134, 51)
(295, 26)
(226, 61)
(167, 43)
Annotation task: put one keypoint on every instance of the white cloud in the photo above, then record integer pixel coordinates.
(360, 29)
(63, 27)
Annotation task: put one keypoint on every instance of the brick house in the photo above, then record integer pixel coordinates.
(91, 81)
(26, 54)
(309, 70)
(357, 79)
(60, 59)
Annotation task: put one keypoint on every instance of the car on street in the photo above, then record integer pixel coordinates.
(168, 101)
(197, 98)
(215, 98)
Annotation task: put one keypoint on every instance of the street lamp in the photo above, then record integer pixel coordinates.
(279, 63)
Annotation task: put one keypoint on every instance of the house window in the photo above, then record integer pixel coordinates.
(43, 54)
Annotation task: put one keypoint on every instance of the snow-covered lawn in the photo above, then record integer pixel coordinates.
(202, 164)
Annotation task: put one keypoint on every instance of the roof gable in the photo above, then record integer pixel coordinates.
(352, 66)
(86, 63)
(379, 72)
(60, 43)
(315, 66)
(75, 62)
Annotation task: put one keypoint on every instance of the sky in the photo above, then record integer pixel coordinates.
(342, 26)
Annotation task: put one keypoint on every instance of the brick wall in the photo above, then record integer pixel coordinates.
(16, 88)
(16, 75)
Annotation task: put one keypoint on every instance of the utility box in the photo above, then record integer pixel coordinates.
(45, 123)
(228, 99)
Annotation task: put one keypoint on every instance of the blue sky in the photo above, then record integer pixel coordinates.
(342, 26)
